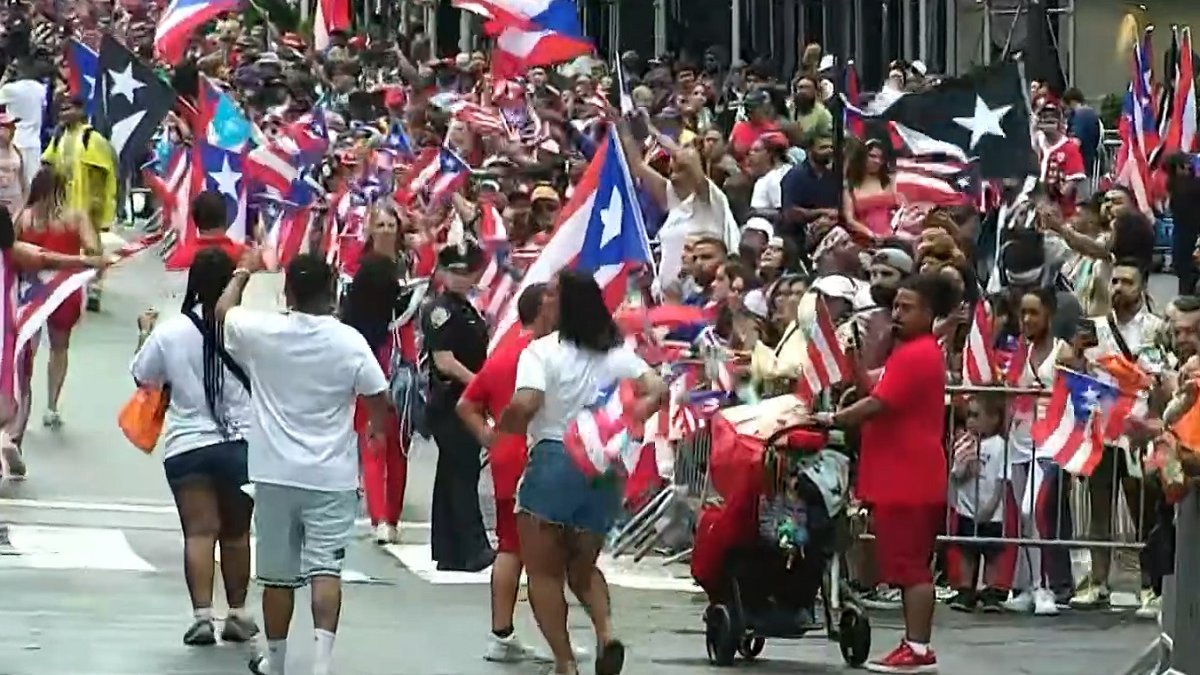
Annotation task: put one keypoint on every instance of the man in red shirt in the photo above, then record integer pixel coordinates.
(902, 464)
(211, 220)
(484, 399)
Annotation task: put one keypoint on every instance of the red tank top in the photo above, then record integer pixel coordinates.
(56, 239)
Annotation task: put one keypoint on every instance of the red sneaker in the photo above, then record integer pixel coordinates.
(904, 660)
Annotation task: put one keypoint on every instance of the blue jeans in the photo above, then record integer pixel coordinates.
(553, 489)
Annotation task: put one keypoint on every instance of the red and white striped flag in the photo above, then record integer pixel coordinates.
(826, 363)
(979, 357)
(599, 439)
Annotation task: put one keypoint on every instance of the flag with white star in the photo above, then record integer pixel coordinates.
(221, 140)
(983, 117)
(131, 101)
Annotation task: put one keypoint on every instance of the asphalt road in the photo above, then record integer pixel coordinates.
(92, 582)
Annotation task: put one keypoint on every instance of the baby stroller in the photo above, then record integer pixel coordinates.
(773, 541)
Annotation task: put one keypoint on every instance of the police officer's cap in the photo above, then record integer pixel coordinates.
(461, 258)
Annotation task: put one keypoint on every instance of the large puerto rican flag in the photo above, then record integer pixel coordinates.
(181, 19)
(530, 32)
(600, 230)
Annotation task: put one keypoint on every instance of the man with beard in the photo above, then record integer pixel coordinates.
(902, 474)
(812, 196)
(870, 329)
(1130, 331)
(811, 115)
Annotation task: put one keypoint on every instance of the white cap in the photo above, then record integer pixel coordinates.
(826, 63)
(919, 67)
(760, 225)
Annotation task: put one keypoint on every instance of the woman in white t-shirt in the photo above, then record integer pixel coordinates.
(768, 163)
(563, 514)
(203, 443)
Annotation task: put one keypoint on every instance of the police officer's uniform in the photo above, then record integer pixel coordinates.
(451, 323)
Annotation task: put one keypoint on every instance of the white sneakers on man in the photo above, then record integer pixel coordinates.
(506, 649)
(386, 534)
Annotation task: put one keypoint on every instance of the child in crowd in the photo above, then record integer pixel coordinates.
(977, 487)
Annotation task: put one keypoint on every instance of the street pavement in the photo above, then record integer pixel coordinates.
(91, 581)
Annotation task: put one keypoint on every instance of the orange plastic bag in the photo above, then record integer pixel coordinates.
(141, 418)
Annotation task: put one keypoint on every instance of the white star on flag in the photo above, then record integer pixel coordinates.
(984, 122)
(124, 83)
(611, 216)
(226, 179)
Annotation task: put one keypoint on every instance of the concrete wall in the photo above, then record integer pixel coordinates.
(1099, 67)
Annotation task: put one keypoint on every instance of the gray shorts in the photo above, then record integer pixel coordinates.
(301, 533)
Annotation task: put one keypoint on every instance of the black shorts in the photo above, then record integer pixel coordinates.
(223, 463)
(966, 528)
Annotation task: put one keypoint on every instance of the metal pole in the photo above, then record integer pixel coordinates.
(837, 47)
(1070, 51)
(986, 42)
(303, 11)
(660, 27)
(906, 30)
(1185, 619)
(923, 31)
(735, 30)
(464, 32)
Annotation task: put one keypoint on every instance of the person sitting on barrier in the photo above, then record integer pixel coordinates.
(1130, 330)
(1041, 571)
(978, 483)
(902, 465)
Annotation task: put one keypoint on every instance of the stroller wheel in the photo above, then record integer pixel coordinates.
(720, 635)
(751, 646)
(854, 637)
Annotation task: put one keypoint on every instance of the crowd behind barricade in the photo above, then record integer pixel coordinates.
(428, 189)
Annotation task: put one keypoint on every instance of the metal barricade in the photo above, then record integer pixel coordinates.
(673, 509)
(1049, 514)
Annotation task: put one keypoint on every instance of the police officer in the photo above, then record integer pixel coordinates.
(455, 342)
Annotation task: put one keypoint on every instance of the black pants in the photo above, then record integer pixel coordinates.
(1183, 246)
(459, 541)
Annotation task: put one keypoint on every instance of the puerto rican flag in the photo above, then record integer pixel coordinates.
(181, 19)
(530, 32)
(979, 357)
(82, 65)
(921, 181)
(1072, 428)
(600, 439)
(332, 15)
(1136, 127)
(600, 230)
(826, 363)
(437, 175)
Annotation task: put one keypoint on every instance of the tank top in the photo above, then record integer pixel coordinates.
(57, 239)
(1020, 438)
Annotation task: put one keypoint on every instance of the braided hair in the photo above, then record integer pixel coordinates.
(210, 273)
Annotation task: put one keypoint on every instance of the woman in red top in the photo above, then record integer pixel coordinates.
(18, 258)
(45, 223)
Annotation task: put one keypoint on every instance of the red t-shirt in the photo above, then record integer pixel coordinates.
(744, 134)
(493, 387)
(183, 255)
(1062, 163)
(902, 460)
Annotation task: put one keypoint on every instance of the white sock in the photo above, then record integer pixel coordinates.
(919, 648)
(277, 656)
(202, 614)
(237, 613)
(323, 658)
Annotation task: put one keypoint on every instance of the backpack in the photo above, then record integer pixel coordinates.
(408, 384)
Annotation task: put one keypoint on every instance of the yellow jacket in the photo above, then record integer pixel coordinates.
(91, 172)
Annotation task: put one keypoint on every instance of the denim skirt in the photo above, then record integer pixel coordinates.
(557, 491)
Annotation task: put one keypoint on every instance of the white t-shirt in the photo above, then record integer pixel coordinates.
(25, 100)
(305, 371)
(978, 491)
(571, 379)
(768, 190)
(174, 355)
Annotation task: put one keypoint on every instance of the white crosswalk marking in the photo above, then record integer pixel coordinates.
(71, 548)
(417, 558)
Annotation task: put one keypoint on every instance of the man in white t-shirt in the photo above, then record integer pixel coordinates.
(306, 369)
(25, 99)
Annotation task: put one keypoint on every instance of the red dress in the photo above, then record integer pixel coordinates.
(68, 242)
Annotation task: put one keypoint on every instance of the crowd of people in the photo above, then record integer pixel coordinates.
(758, 215)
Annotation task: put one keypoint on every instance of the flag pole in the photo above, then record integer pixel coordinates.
(833, 17)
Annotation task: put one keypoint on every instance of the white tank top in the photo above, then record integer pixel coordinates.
(1020, 442)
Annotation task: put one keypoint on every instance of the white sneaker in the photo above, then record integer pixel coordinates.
(505, 649)
(385, 534)
(1150, 605)
(1021, 603)
(1091, 596)
(1044, 603)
